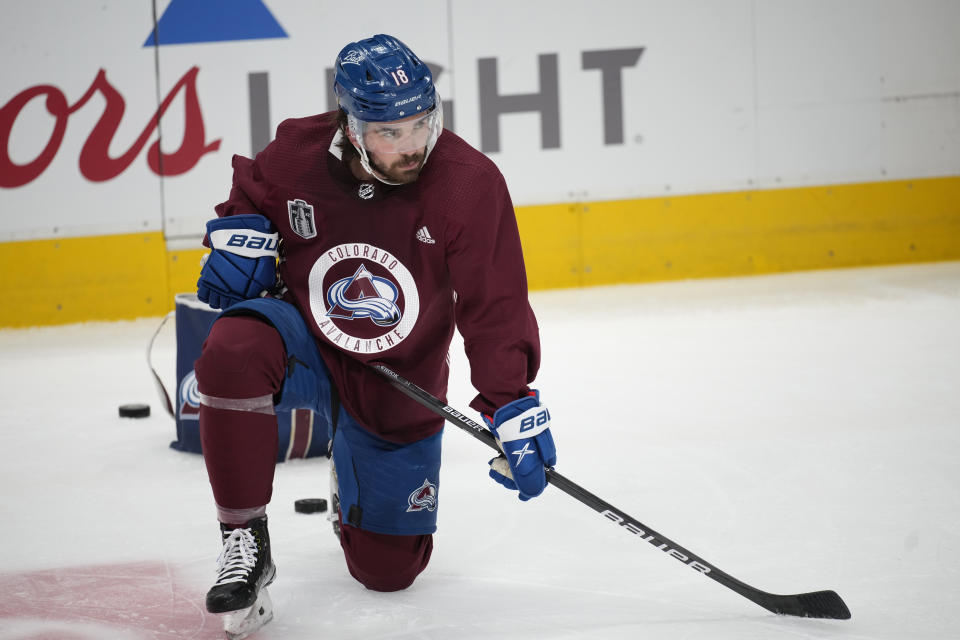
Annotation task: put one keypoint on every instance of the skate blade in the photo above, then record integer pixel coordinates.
(242, 623)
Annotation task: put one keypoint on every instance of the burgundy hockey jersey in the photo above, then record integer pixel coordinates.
(384, 273)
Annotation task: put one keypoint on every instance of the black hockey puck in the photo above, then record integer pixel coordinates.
(310, 505)
(134, 410)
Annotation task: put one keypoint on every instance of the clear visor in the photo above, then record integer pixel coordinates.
(399, 136)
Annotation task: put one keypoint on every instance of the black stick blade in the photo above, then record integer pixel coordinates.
(818, 604)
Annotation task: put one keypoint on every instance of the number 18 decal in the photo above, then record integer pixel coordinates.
(400, 76)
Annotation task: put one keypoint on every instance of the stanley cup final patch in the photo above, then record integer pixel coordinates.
(301, 218)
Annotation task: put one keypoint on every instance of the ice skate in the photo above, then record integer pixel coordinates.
(242, 623)
(244, 570)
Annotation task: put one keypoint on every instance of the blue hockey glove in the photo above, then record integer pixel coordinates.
(523, 431)
(243, 260)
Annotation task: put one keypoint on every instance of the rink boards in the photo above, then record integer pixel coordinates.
(565, 245)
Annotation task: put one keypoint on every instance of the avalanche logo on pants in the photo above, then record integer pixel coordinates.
(423, 497)
(363, 299)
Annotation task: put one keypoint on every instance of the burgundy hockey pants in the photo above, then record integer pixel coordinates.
(240, 371)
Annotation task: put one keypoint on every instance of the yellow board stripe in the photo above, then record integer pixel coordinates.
(741, 233)
(565, 245)
(77, 279)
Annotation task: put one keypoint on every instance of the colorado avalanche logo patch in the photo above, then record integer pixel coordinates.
(423, 498)
(362, 298)
(364, 295)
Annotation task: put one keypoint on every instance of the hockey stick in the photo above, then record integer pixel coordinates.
(817, 604)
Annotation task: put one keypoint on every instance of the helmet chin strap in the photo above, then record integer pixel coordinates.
(357, 141)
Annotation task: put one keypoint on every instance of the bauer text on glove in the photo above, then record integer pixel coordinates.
(243, 260)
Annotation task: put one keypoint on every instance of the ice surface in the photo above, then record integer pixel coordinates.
(800, 432)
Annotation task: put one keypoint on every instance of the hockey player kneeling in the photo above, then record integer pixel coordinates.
(340, 247)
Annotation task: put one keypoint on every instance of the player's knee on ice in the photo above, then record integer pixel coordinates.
(382, 562)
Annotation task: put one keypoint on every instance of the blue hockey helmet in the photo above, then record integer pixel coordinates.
(380, 79)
